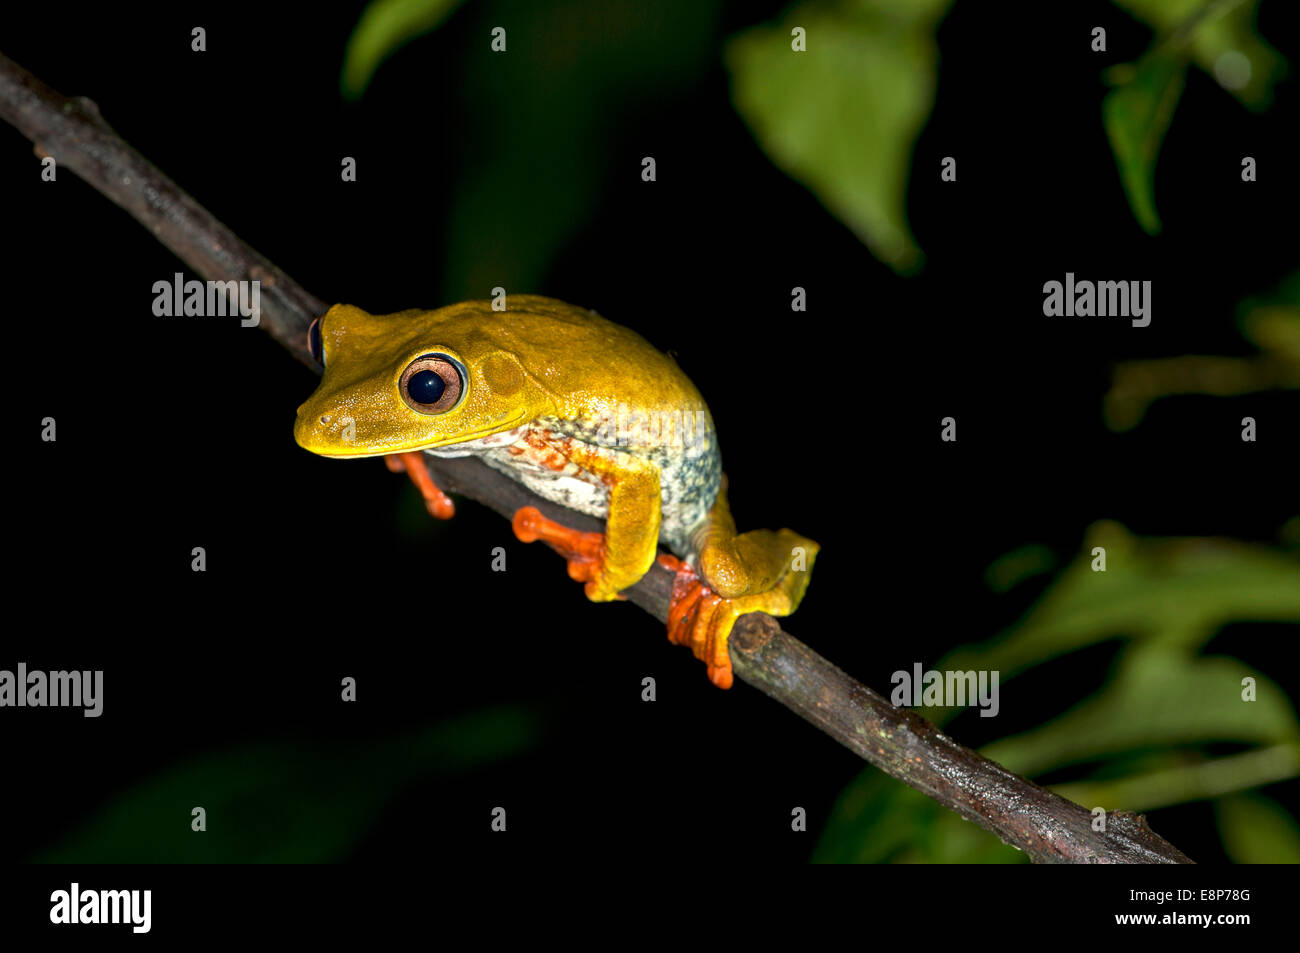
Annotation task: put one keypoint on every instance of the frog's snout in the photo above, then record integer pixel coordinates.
(317, 430)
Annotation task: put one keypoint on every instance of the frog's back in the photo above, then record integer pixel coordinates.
(589, 365)
(613, 390)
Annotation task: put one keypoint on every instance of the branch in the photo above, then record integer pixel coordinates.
(1045, 826)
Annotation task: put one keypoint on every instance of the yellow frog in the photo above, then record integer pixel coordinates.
(584, 413)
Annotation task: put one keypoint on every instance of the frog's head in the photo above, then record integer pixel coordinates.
(412, 380)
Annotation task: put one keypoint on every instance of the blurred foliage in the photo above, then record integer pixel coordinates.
(1257, 831)
(879, 821)
(283, 803)
(1218, 37)
(1270, 321)
(1136, 116)
(1015, 567)
(843, 117)
(514, 208)
(534, 164)
(1139, 740)
(1150, 781)
(385, 27)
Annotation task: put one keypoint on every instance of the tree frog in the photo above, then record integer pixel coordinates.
(581, 411)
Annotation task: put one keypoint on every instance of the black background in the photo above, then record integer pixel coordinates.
(176, 433)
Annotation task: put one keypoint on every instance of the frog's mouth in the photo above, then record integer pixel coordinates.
(336, 448)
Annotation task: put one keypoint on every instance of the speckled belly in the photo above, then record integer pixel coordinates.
(690, 469)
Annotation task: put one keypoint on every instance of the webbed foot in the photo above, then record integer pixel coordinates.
(701, 618)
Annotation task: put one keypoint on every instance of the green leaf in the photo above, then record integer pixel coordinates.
(1160, 696)
(1256, 830)
(1223, 43)
(1178, 776)
(1175, 591)
(1136, 116)
(385, 26)
(281, 803)
(1272, 321)
(843, 116)
(1008, 571)
(1220, 40)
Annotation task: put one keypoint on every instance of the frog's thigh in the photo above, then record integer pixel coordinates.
(755, 562)
(632, 526)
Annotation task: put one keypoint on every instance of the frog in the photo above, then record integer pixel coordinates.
(584, 413)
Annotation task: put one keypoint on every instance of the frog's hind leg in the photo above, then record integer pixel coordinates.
(742, 564)
(759, 571)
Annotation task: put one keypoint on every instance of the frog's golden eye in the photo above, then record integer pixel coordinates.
(315, 344)
(432, 384)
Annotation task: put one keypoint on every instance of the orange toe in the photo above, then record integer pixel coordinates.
(697, 618)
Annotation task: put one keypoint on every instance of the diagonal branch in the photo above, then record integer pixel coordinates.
(1045, 826)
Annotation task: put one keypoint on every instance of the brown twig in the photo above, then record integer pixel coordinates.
(1046, 827)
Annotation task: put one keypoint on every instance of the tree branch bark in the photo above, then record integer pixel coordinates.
(1046, 827)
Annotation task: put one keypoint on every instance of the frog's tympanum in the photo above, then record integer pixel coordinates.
(583, 413)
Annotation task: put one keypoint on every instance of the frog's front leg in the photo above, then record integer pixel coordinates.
(613, 561)
(582, 550)
(438, 503)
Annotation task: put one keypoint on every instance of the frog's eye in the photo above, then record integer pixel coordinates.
(315, 344)
(432, 384)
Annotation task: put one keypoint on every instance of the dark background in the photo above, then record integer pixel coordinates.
(176, 432)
